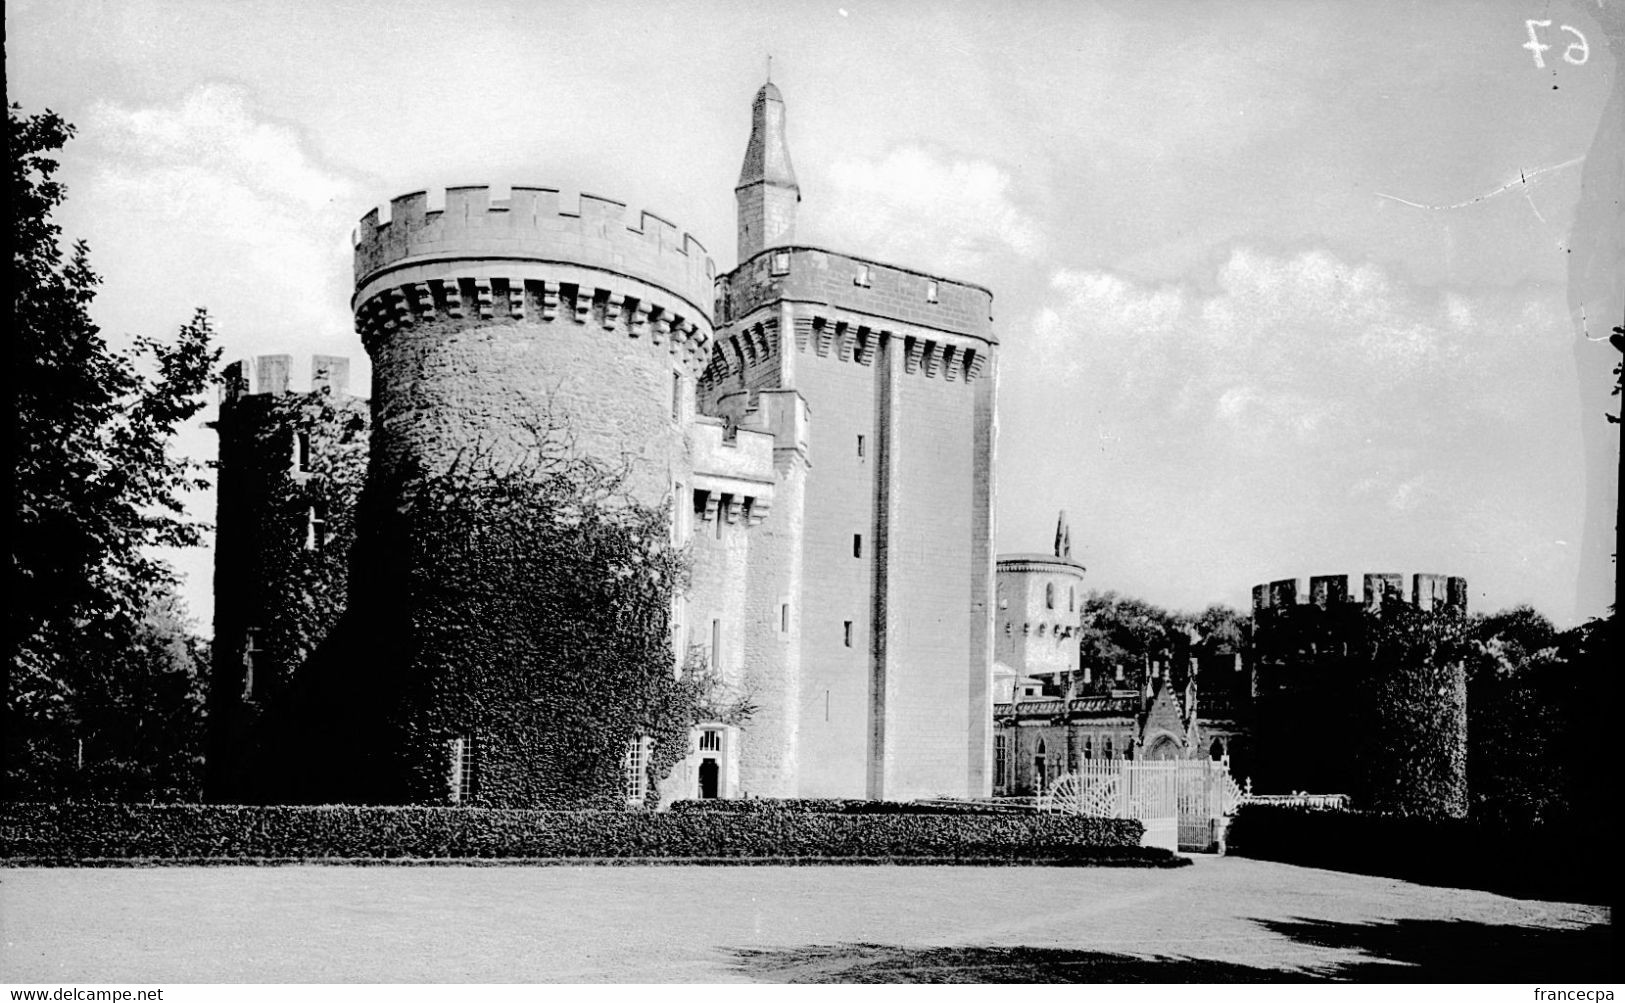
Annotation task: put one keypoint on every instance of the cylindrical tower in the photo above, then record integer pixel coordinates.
(491, 318)
(1366, 697)
(506, 327)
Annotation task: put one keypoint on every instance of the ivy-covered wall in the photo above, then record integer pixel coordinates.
(1370, 701)
(279, 591)
(525, 610)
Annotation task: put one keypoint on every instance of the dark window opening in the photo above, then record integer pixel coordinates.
(857, 544)
(846, 633)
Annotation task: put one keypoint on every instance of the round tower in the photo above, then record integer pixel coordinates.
(511, 327)
(1040, 599)
(492, 315)
(1363, 695)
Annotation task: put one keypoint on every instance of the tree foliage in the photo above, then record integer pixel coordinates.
(1123, 631)
(1536, 705)
(95, 486)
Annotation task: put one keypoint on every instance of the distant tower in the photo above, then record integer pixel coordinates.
(767, 192)
(1040, 607)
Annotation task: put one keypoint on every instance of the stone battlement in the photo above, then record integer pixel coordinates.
(532, 224)
(1426, 591)
(732, 469)
(857, 285)
(272, 374)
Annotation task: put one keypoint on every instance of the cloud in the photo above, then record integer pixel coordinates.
(947, 216)
(1303, 346)
(1284, 411)
(215, 130)
(210, 200)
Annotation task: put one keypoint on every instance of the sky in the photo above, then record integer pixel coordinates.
(1282, 289)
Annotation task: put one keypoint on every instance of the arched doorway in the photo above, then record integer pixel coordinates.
(1165, 747)
(708, 777)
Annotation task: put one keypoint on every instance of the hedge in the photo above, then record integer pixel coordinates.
(1531, 862)
(35, 834)
(845, 806)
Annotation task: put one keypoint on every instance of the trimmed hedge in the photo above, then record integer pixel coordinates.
(1537, 862)
(70, 834)
(842, 806)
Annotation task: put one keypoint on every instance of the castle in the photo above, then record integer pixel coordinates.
(820, 427)
(820, 423)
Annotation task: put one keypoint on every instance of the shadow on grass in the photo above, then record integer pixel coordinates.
(874, 963)
(1525, 863)
(1400, 951)
(1432, 950)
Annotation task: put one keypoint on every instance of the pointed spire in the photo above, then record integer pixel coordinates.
(1063, 537)
(767, 156)
(767, 192)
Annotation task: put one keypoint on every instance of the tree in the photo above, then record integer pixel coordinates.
(1538, 708)
(95, 485)
(1122, 631)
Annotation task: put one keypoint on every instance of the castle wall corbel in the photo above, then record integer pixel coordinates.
(454, 296)
(516, 298)
(484, 299)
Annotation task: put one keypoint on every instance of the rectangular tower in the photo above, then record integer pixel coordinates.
(892, 603)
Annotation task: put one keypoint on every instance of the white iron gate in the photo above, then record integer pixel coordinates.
(1179, 801)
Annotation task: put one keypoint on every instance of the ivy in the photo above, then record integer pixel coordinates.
(1370, 702)
(520, 600)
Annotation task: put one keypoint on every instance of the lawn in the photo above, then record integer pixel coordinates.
(1225, 919)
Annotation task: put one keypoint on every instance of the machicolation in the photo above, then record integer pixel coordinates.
(531, 254)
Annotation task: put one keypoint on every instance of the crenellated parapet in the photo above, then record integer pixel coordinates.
(273, 374)
(733, 470)
(530, 256)
(532, 224)
(861, 286)
(1425, 591)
